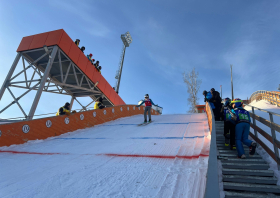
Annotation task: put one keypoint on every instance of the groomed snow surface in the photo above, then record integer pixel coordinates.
(166, 158)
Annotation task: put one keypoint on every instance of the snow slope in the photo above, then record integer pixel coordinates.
(167, 158)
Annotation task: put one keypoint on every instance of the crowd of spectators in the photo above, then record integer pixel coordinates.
(89, 56)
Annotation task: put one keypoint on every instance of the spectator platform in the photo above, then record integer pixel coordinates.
(70, 70)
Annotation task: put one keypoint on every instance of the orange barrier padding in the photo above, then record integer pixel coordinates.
(66, 44)
(57, 125)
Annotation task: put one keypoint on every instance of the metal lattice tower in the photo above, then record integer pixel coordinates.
(126, 38)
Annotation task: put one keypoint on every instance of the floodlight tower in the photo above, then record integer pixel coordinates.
(126, 39)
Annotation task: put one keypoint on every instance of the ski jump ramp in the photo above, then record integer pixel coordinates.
(166, 158)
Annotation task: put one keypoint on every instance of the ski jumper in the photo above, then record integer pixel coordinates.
(242, 129)
(148, 106)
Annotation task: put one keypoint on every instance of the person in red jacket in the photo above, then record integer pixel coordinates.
(148, 105)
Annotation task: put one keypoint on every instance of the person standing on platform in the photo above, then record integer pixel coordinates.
(242, 128)
(99, 69)
(83, 49)
(77, 42)
(98, 104)
(89, 57)
(65, 110)
(148, 105)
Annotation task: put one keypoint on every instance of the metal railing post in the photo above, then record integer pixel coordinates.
(254, 123)
(273, 139)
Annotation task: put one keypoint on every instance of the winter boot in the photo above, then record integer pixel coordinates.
(227, 139)
(145, 121)
(242, 156)
(252, 148)
(150, 120)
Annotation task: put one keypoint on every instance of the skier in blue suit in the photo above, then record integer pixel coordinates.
(242, 128)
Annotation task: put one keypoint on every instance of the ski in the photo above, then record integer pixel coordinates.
(144, 123)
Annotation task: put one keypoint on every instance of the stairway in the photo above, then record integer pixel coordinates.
(244, 178)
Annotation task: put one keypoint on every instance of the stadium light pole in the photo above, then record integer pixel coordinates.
(232, 96)
(126, 39)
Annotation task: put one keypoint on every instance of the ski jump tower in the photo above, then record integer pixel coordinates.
(61, 68)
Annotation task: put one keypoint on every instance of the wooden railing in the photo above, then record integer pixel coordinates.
(212, 181)
(271, 138)
(271, 96)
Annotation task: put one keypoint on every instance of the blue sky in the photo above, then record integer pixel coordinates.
(169, 38)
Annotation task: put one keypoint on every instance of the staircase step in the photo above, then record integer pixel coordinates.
(233, 194)
(229, 151)
(235, 156)
(247, 161)
(265, 173)
(249, 179)
(251, 187)
(246, 166)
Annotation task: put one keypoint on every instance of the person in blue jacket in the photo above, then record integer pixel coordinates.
(148, 105)
(242, 128)
(208, 96)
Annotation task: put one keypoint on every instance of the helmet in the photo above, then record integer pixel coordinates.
(78, 40)
(204, 92)
(238, 102)
(99, 67)
(83, 47)
(90, 55)
(227, 101)
(67, 104)
(212, 89)
(146, 95)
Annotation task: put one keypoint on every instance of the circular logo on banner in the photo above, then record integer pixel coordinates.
(94, 114)
(138, 108)
(104, 112)
(133, 108)
(49, 123)
(121, 108)
(66, 120)
(0, 133)
(113, 110)
(128, 108)
(25, 128)
(82, 116)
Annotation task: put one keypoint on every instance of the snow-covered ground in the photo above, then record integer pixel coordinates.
(167, 158)
(265, 105)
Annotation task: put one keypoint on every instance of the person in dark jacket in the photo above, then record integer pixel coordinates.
(216, 100)
(96, 65)
(83, 49)
(99, 69)
(98, 104)
(229, 125)
(77, 42)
